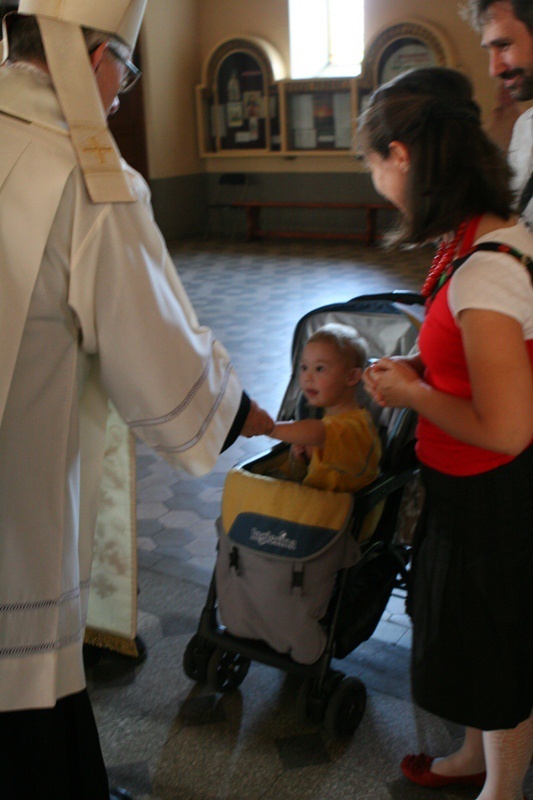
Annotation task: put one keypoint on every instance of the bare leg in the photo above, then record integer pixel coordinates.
(468, 760)
(508, 755)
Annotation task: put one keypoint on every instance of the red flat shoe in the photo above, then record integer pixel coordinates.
(418, 770)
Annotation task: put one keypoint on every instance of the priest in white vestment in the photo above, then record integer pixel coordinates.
(91, 310)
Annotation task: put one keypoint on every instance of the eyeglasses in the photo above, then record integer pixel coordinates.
(132, 73)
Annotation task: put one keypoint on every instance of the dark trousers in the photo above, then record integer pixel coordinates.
(52, 753)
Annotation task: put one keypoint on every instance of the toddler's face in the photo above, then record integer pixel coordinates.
(324, 375)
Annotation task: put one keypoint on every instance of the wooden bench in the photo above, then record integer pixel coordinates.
(255, 231)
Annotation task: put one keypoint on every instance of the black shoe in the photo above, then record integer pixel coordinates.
(91, 655)
(119, 794)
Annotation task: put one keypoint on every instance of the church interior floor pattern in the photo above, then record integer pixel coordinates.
(165, 737)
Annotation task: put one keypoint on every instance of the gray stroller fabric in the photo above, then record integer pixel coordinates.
(275, 575)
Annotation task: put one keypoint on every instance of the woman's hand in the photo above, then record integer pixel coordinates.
(390, 382)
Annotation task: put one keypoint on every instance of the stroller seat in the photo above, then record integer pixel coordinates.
(300, 578)
(281, 545)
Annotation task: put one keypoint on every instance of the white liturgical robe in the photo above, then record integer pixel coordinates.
(89, 301)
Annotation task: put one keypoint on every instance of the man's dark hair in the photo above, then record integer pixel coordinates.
(476, 10)
(25, 43)
(456, 171)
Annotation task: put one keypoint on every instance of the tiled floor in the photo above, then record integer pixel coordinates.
(167, 738)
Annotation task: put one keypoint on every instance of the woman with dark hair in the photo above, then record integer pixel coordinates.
(472, 386)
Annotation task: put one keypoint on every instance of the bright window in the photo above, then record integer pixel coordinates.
(326, 37)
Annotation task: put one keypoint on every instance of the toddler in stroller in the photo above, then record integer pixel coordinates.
(294, 570)
(341, 451)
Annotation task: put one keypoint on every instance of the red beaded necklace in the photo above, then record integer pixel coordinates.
(446, 253)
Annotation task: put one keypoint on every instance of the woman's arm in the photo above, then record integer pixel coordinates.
(499, 416)
(307, 432)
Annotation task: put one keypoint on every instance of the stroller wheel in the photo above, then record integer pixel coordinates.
(345, 708)
(226, 671)
(196, 659)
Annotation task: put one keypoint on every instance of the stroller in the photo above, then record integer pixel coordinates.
(300, 577)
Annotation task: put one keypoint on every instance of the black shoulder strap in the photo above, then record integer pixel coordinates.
(496, 247)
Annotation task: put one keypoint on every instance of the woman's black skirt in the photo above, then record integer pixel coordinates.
(471, 596)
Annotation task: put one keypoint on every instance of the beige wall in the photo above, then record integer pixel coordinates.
(224, 19)
(172, 67)
(179, 35)
(443, 15)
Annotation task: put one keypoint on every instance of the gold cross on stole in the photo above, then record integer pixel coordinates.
(97, 149)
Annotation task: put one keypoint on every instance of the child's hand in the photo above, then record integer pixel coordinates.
(298, 462)
(298, 452)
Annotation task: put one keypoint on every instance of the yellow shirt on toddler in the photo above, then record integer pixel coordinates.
(349, 458)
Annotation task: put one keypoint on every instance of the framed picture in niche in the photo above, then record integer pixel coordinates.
(240, 89)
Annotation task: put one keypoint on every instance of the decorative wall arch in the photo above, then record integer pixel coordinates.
(259, 49)
(402, 46)
(240, 96)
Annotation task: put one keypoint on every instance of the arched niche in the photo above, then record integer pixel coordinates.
(239, 96)
(259, 49)
(404, 46)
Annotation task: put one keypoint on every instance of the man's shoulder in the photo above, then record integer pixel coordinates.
(137, 183)
(30, 153)
(52, 142)
(523, 123)
(520, 152)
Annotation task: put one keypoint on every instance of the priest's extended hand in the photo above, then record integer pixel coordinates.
(258, 422)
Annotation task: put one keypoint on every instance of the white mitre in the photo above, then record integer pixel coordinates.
(60, 23)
